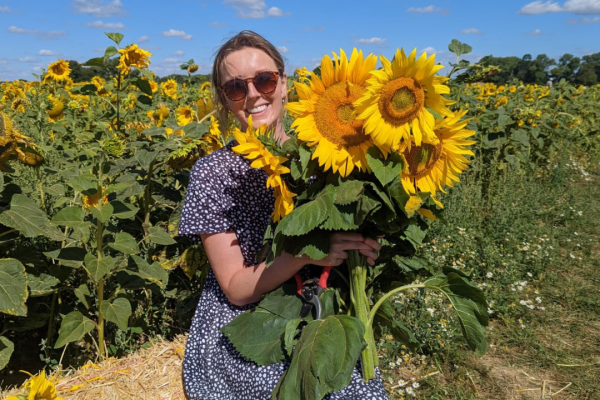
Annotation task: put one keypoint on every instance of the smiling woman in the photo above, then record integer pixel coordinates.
(228, 207)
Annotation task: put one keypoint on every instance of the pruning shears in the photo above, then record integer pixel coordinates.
(310, 290)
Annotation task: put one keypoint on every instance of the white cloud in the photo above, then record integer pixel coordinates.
(4, 9)
(96, 8)
(373, 40)
(537, 32)
(105, 25)
(429, 50)
(218, 24)
(172, 60)
(283, 49)
(39, 34)
(583, 7)
(276, 12)
(143, 39)
(47, 53)
(179, 53)
(28, 59)
(254, 9)
(428, 9)
(471, 31)
(583, 21)
(176, 33)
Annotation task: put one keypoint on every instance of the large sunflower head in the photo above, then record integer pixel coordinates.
(132, 56)
(55, 108)
(429, 167)
(185, 115)
(395, 106)
(326, 115)
(59, 70)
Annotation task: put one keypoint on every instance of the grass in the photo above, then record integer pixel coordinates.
(530, 243)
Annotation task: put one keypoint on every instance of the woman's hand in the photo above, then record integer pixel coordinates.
(340, 243)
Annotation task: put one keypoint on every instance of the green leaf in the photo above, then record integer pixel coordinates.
(305, 218)
(123, 210)
(404, 335)
(98, 269)
(58, 190)
(84, 184)
(25, 216)
(110, 51)
(142, 98)
(94, 62)
(145, 158)
(41, 284)
(115, 37)
(72, 328)
(6, 349)
(76, 254)
(341, 218)
(385, 170)
(149, 273)
(83, 295)
(117, 312)
(323, 359)
(158, 235)
(70, 216)
(314, 244)
(521, 136)
(13, 287)
(144, 86)
(415, 234)
(349, 192)
(258, 334)
(102, 212)
(289, 336)
(125, 243)
(459, 48)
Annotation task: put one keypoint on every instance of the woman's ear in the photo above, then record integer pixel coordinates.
(283, 87)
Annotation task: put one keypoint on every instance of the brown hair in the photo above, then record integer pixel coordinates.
(243, 39)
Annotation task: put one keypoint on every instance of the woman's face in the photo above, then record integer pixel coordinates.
(264, 108)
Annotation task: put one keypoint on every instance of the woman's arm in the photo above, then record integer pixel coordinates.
(244, 285)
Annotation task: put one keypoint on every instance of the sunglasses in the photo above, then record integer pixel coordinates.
(237, 89)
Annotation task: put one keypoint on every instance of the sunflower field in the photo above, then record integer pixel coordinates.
(93, 177)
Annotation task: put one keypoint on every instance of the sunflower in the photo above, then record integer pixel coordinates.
(41, 388)
(132, 56)
(398, 97)
(55, 108)
(59, 70)
(19, 105)
(325, 114)
(205, 106)
(92, 201)
(169, 88)
(185, 115)
(158, 116)
(429, 167)
(250, 146)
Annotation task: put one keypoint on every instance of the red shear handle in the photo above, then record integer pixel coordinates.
(299, 283)
(324, 277)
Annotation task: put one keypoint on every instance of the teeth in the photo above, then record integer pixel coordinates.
(257, 109)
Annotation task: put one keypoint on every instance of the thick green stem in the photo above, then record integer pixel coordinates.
(100, 249)
(41, 189)
(100, 320)
(51, 325)
(358, 278)
(387, 296)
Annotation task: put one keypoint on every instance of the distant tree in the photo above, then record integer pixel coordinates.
(507, 67)
(586, 75)
(566, 67)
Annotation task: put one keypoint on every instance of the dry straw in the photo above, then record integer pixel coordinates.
(153, 373)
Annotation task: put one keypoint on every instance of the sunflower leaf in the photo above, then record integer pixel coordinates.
(306, 217)
(349, 192)
(109, 52)
(323, 359)
(6, 349)
(13, 287)
(385, 170)
(115, 37)
(73, 327)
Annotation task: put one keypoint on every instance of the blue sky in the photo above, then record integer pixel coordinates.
(36, 33)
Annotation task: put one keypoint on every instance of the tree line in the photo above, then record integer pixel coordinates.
(500, 70)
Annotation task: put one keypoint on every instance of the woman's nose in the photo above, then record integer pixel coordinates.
(252, 92)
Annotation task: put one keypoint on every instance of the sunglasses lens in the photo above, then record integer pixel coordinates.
(265, 82)
(235, 89)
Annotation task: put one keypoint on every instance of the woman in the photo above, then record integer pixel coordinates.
(228, 206)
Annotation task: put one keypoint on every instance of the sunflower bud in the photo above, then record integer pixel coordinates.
(192, 68)
(114, 147)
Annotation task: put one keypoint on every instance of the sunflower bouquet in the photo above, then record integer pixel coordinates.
(370, 150)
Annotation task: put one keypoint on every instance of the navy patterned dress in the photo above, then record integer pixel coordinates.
(226, 194)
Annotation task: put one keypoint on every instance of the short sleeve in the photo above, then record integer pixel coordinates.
(205, 203)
